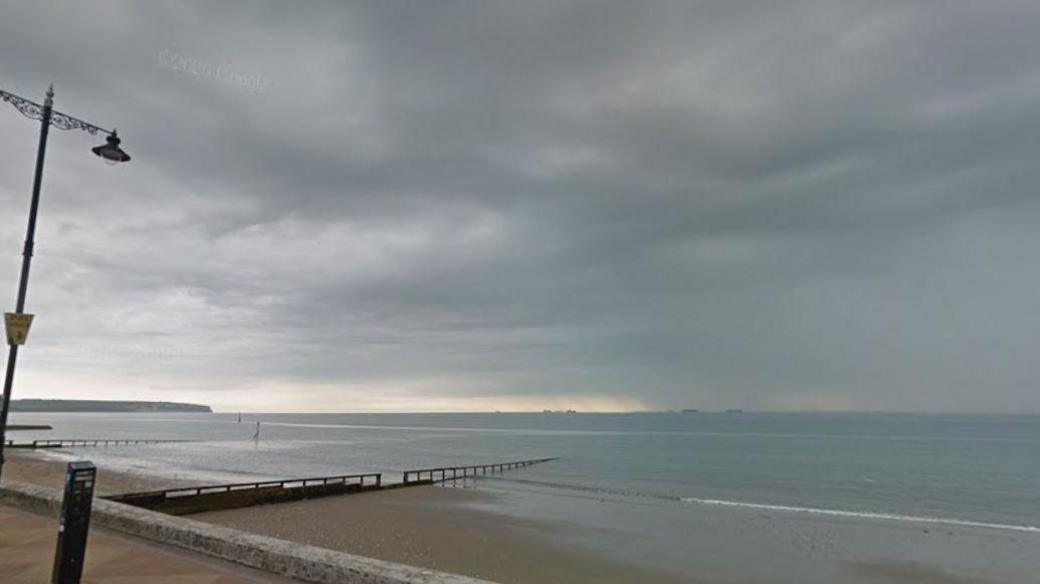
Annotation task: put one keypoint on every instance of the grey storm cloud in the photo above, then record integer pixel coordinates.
(457, 205)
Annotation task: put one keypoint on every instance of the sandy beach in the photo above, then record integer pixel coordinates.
(429, 527)
(36, 468)
(432, 527)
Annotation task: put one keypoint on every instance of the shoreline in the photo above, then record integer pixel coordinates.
(423, 526)
(40, 469)
(526, 537)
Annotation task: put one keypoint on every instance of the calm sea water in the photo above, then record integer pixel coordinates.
(982, 469)
(972, 470)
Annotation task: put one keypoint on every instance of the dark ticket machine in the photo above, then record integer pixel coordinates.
(73, 523)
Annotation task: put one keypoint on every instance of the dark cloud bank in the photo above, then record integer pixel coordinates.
(459, 205)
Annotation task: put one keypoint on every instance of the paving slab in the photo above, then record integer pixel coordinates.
(27, 555)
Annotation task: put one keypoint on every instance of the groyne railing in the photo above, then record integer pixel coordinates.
(373, 478)
(448, 473)
(72, 442)
(185, 500)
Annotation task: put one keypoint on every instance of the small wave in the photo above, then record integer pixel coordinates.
(581, 488)
(769, 507)
(861, 514)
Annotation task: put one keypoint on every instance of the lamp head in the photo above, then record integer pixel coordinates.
(110, 150)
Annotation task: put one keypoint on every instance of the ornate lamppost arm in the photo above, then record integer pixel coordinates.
(33, 110)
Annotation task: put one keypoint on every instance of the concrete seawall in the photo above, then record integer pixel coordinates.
(299, 561)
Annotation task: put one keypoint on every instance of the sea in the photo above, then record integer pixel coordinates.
(644, 470)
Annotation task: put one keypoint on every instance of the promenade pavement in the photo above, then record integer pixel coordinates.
(27, 556)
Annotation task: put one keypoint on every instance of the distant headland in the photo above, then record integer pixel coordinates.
(91, 405)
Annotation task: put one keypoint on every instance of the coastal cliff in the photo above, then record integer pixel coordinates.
(89, 405)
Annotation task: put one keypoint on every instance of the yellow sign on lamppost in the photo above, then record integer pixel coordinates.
(17, 325)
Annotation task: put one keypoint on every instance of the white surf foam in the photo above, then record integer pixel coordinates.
(862, 514)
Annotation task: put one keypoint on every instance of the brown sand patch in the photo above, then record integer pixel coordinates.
(430, 527)
(27, 467)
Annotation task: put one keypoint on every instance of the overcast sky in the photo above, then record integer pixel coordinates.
(517, 205)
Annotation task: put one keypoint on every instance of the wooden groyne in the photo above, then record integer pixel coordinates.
(448, 473)
(70, 443)
(187, 500)
(182, 501)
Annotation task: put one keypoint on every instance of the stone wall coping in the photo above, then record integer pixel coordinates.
(294, 560)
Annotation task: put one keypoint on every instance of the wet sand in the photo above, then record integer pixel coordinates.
(431, 527)
(422, 526)
(29, 467)
(508, 537)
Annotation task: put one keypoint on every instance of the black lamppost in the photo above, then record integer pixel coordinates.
(110, 151)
